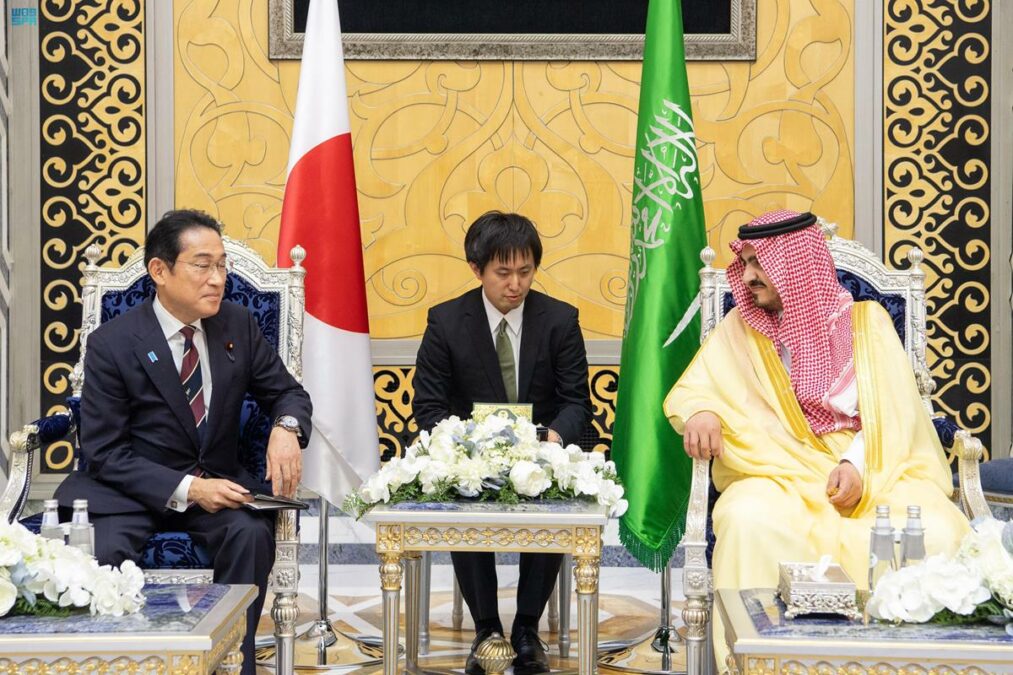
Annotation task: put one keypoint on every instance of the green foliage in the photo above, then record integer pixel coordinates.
(42, 607)
(507, 494)
(980, 614)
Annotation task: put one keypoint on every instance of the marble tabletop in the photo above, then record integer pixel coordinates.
(577, 512)
(168, 608)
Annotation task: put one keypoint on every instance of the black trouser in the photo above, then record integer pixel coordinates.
(476, 575)
(240, 542)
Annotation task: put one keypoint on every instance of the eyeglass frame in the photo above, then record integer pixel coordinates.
(204, 269)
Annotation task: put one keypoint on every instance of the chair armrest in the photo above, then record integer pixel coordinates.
(969, 452)
(24, 443)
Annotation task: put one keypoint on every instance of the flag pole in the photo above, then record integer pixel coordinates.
(656, 652)
(322, 647)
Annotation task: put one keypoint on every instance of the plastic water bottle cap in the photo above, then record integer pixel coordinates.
(81, 504)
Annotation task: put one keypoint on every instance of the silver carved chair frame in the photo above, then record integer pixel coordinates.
(288, 284)
(852, 257)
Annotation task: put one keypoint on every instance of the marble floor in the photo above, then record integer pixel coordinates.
(628, 604)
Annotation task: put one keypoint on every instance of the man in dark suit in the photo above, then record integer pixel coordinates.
(163, 388)
(504, 343)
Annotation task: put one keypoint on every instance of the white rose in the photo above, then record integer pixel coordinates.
(375, 489)
(899, 596)
(433, 472)
(953, 585)
(529, 479)
(469, 475)
(8, 592)
(609, 493)
(619, 509)
(586, 480)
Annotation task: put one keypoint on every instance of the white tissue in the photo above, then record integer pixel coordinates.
(820, 571)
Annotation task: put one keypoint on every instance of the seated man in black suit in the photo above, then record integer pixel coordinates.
(503, 343)
(163, 388)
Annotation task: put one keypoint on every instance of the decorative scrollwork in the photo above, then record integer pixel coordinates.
(95, 664)
(479, 537)
(438, 142)
(93, 165)
(936, 132)
(396, 426)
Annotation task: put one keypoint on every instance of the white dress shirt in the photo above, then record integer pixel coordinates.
(170, 329)
(514, 319)
(845, 403)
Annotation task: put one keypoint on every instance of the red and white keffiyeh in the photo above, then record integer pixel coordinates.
(815, 325)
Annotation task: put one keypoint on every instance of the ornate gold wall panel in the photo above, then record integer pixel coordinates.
(436, 143)
(937, 69)
(92, 150)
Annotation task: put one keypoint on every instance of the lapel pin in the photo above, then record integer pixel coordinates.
(153, 356)
(228, 351)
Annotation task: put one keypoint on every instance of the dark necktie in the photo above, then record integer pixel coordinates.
(193, 385)
(505, 352)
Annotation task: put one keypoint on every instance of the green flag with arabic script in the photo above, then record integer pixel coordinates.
(662, 329)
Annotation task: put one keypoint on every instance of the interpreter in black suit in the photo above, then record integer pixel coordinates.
(158, 459)
(463, 359)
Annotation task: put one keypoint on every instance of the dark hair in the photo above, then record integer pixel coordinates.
(502, 236)
(163, 240)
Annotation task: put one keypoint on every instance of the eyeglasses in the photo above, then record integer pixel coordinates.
(206, 269)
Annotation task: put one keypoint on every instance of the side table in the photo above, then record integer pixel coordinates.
(763, 641)
(183, 628)
(405, 531)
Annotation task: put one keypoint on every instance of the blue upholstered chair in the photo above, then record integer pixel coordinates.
(902, 294)
(275, 296)
(997, 484)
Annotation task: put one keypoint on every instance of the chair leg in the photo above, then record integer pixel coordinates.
(563, 586)
(424, 590)
(457, 615)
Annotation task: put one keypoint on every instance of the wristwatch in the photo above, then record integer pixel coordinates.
(289, 423)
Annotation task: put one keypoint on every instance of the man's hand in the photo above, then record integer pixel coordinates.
(552, 437)
(284, 462)
(844, 487)
(215, 494)
(702, 436)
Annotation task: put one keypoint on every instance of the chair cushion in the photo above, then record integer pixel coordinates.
(164, 550)
(861, 290)
(264, 305)
(174, 550)
(946, 429)
(997, 476)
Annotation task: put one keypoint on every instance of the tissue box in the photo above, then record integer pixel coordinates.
(833, 594)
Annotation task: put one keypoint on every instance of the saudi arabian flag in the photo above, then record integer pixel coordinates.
(662, 331)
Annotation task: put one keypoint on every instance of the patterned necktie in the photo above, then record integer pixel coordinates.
(193, 385)
(505, 352)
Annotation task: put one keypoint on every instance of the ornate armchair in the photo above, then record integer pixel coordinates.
(275, 296)
(902, 294)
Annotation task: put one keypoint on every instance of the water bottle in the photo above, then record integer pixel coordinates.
(51, 528)
(912, 539)
(881, 552)
(81, 534)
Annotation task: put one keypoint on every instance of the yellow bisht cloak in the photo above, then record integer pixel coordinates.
(773, 472)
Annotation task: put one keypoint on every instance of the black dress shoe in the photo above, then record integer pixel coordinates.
(472, 666)
(531, 658)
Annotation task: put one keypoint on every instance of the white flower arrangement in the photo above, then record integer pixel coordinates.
(45, 576)
(976, 584)
(498, 459)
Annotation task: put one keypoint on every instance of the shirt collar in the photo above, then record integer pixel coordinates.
(170, 325)
(514, 317)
